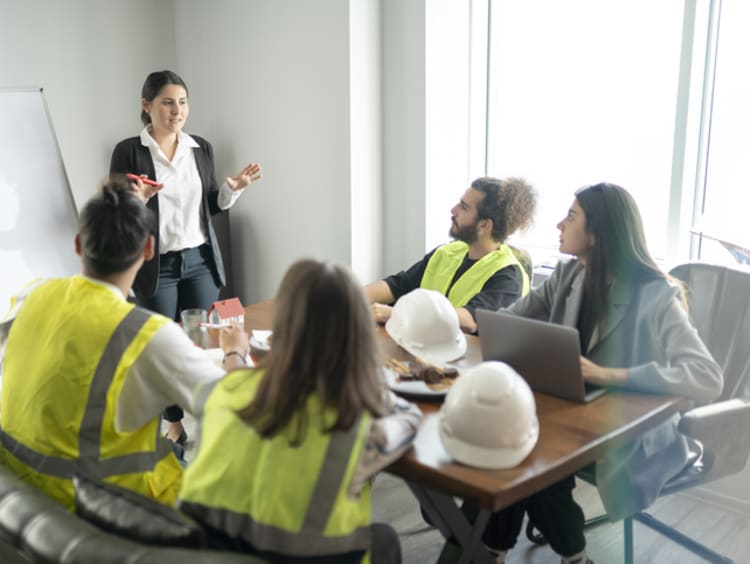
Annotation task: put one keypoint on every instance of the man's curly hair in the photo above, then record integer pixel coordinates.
(510, 204)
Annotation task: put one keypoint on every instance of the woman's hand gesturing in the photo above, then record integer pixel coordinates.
(251, 173)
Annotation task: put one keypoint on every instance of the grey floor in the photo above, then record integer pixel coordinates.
(721, 529)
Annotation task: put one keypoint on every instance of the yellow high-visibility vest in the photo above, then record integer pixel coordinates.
(445, 261)
(280, 498)
(68, 353)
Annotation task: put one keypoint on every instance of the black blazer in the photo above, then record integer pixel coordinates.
(130, 155)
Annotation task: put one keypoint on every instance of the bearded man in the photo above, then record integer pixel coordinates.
(478, 270)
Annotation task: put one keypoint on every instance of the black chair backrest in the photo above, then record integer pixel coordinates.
(719, 300)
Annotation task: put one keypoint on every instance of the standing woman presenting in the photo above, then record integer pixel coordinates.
(187, 270)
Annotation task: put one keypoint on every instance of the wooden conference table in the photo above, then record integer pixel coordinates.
(571, 436)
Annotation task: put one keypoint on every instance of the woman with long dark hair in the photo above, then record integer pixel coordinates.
(635, 334)
(306, 431)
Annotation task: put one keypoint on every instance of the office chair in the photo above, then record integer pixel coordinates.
(719, 301)
(524, 258)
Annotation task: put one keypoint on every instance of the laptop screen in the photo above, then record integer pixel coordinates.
(546, 355)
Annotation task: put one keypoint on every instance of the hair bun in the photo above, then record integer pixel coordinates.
(116, 190)
(110, 195)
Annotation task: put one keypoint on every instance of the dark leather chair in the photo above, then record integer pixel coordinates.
(719, 301)
(34, 529)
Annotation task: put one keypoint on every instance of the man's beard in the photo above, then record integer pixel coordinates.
(467, 233)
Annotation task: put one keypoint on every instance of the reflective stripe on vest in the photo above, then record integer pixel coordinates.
(309, 540)
(89, 437)
(311, 516)
(446, 260)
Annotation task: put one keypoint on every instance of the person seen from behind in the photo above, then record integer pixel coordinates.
(307, 430)
(85, 374)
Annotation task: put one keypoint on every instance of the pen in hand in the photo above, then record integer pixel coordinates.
(143, 179)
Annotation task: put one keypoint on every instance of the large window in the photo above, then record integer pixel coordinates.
(582, 92)
(726, 202)
(585, 91)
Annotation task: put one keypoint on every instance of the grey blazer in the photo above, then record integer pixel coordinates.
(663, 354)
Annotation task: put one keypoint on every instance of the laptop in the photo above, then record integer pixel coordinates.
(545, 354)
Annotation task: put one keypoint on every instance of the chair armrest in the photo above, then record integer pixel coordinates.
(721, 428)
(713, 422)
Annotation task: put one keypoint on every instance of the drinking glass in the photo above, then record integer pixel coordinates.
(193, 323)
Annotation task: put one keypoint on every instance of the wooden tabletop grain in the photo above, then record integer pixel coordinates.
(571, 435)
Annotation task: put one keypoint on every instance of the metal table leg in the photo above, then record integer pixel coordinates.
(447, 516)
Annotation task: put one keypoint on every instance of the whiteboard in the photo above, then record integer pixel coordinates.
(38, 218)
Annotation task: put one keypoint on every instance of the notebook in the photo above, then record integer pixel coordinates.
(545, 354)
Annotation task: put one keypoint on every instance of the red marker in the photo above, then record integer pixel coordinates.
(148, 181)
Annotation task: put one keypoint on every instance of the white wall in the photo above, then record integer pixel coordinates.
(425, 123)
(296, 85)
(404, 173)
(366, 136)
(447, 68)
(272, 82)
(90, 58)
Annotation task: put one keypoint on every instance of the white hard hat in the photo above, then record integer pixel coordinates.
(488, 418)
(425, 323)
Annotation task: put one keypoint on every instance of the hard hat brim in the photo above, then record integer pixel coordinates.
(486, 458)
(434, 354)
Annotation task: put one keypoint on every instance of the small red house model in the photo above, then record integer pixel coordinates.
(224, 311)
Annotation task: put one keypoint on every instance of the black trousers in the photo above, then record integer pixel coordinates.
(185, 282)
(553, 511)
